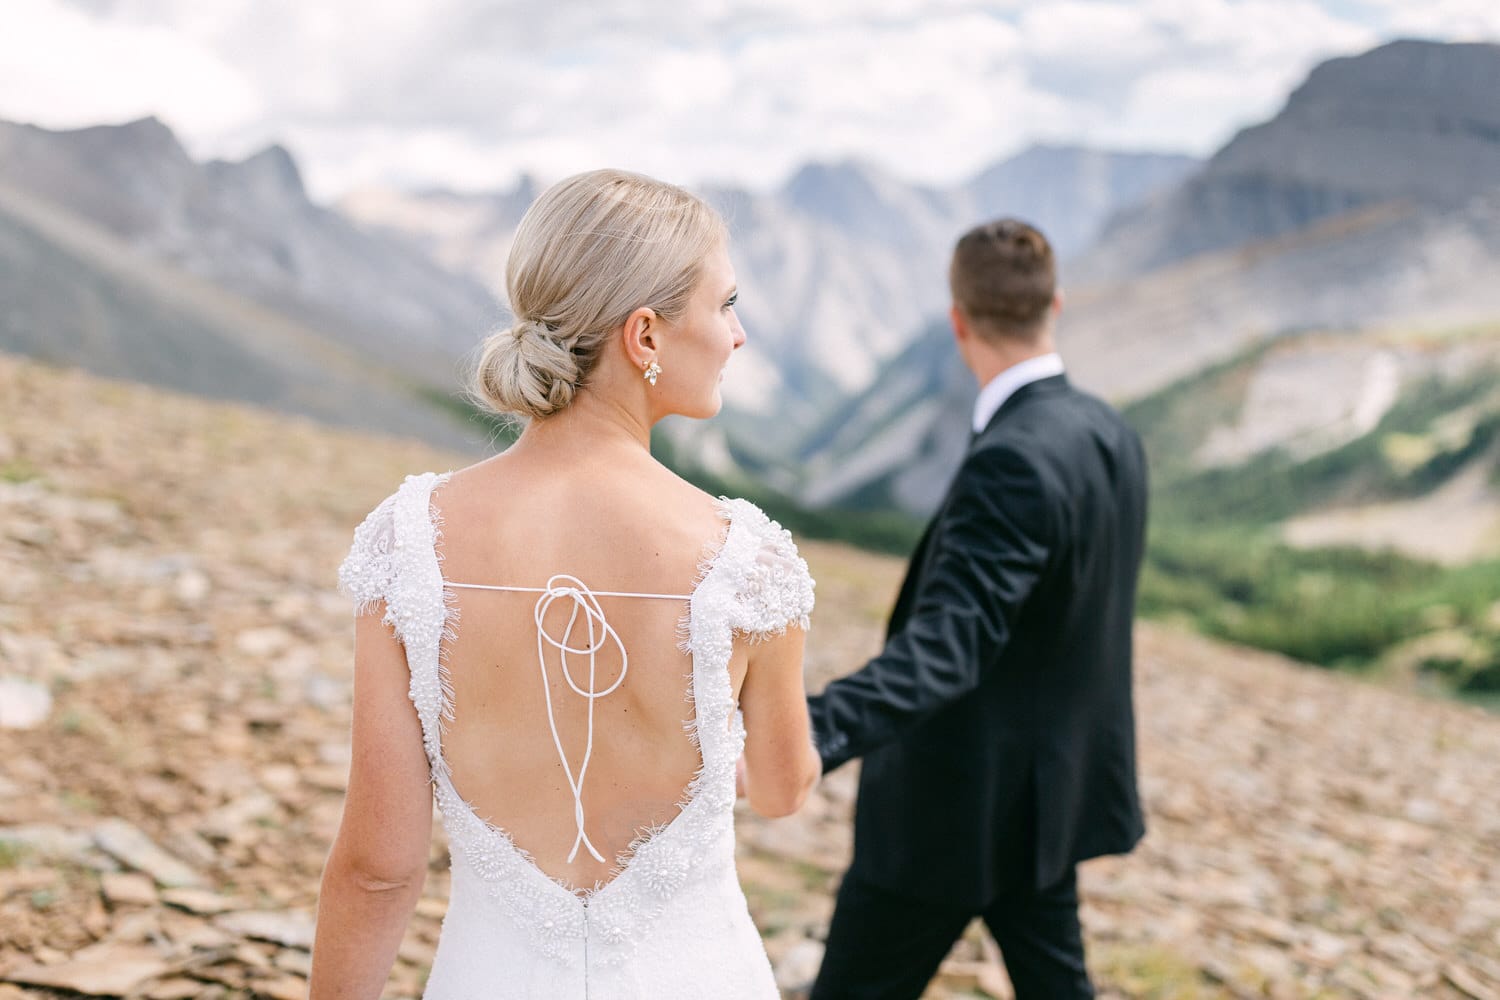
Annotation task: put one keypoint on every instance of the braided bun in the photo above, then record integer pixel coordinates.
(528, 370)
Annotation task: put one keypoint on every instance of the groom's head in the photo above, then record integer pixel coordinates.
(1004, 284)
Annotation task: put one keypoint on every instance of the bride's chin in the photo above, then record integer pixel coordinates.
(711, 406)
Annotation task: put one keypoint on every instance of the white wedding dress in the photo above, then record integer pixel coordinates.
(673, 923)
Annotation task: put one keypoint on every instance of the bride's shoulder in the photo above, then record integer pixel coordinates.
(371, 564)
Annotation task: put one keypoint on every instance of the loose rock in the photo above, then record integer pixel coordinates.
(799, 965)
(102, 970)
(128, 888)
(23, 704)
(197, 901)
(290, 928)
(131, 847)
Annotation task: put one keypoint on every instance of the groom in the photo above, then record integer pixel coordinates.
(996, 726)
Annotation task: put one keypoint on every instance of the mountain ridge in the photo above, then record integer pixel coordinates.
(76, 294)
(838, 268)
(1412, 115)
(250, 227)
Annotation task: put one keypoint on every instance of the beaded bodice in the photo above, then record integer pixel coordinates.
(754, 584)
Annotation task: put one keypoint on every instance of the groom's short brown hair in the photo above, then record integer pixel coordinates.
(1003, 278)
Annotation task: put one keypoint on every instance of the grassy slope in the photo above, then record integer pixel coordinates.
(1216, 558)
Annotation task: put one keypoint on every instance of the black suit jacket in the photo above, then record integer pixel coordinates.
(996, 726)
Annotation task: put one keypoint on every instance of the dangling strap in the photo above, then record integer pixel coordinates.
(585, 603)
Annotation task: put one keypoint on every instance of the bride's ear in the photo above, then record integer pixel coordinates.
(642, 336)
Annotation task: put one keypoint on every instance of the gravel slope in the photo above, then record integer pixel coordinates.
(166, 571)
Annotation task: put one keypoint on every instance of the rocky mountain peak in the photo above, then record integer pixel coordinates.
(274, 168)
(1444, 77)
(248, 227)
(143, 138)
(124, 176)
(266, 184)
(867, 203)
(1410, 122)
(837, 192)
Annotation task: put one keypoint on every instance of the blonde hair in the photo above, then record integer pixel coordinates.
(590, 251)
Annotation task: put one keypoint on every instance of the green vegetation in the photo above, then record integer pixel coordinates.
(1342, 608)
(18, 470)
(1215, 558)
(1152, 972)
(1426, 437)
(1174, 421)
(12, 853)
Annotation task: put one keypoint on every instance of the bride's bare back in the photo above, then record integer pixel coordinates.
(623, 525)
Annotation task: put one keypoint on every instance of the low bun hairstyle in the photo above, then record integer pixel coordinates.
(590, 251)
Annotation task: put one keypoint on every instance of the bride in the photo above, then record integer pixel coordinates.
(572, 648)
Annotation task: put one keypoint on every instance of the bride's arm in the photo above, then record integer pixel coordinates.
(374, 874)
(780, 765)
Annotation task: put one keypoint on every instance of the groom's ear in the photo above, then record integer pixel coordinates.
(961, 330)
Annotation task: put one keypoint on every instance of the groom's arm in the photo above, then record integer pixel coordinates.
(986, 555)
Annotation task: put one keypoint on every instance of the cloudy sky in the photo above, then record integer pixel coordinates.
(468, 93)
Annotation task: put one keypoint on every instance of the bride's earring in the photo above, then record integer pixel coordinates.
(653, 370)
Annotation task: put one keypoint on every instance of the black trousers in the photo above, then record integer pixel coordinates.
(885, 946)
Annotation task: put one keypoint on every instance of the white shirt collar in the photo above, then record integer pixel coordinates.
(1003, 386)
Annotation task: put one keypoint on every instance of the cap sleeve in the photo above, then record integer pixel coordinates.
(367, 572)
(776, 590)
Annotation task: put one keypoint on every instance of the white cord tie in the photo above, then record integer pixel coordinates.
(600, 632)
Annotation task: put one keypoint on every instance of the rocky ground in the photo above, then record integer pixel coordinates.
(174, 692)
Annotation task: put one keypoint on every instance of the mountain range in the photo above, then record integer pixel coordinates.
(1240, 253)
(837, 269)
(1371, 201)
(123, 255)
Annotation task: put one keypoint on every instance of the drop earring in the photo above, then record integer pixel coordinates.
(653, 370)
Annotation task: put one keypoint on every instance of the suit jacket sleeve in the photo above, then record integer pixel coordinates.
(988, 549)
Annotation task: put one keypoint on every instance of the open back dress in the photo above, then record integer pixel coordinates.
(672, 922)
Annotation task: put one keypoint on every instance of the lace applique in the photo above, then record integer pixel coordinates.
(773, 589)
(365, 574)
(394, 558)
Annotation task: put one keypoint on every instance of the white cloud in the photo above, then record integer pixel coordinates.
(1227, 64)
(470, 93)
(1167, 108)
(61, 68)
(1455, 20)
(1092, 34)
